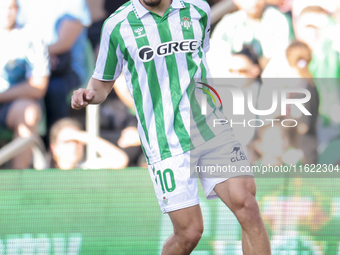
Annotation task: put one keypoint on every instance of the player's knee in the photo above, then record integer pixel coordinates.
(247, 210)
(243, 197)
(191, 237)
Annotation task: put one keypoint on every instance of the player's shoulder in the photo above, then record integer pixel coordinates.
(118, 16)
(201, 4)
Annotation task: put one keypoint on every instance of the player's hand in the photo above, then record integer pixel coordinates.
(82, 98)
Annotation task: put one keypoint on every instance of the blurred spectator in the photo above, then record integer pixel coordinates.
(283, 5)
(245, 64)
(98, 16)
(62, 24)
(212, 2)
(276, 145)
(299, 56)
(265, 28)
(218, 58)
(100, 10)
(118, 115)
(112, 6)
(314, 27)
(67, 147)
(24, 70)
(336, 14)
(245, 68)
(123, 93)
(299, 5)
(294, 65)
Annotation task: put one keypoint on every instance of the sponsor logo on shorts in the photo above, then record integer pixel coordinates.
(240, 156)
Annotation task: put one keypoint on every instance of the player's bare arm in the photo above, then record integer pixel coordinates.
(95, 93)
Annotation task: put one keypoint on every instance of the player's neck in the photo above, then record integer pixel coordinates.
(159, 9)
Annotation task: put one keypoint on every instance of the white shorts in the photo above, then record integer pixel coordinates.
(175, 178)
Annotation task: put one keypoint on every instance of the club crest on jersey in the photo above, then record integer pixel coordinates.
(186, 23)
(139, 32)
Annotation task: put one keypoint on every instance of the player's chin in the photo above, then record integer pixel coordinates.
(152, 3)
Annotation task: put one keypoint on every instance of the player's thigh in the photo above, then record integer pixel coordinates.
(223, 158)
(237, 192)
(187, 221)
(174, 187)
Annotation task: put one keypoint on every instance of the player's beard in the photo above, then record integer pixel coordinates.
(151, 3)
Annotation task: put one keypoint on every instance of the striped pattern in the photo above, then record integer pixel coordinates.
(160, 57)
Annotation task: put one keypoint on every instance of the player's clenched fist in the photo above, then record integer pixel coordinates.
(82, 98)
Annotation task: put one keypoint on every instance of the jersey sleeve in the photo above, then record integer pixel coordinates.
(110, 59)
(206, 44)
(204, 9)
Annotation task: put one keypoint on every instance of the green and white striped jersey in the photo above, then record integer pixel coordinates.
(160, 56)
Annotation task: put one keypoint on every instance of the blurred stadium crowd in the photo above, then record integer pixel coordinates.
(48, 49)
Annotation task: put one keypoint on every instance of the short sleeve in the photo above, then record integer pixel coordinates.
(110, 58)
(206, 44)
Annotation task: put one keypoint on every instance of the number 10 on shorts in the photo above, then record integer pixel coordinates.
(167, 180)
